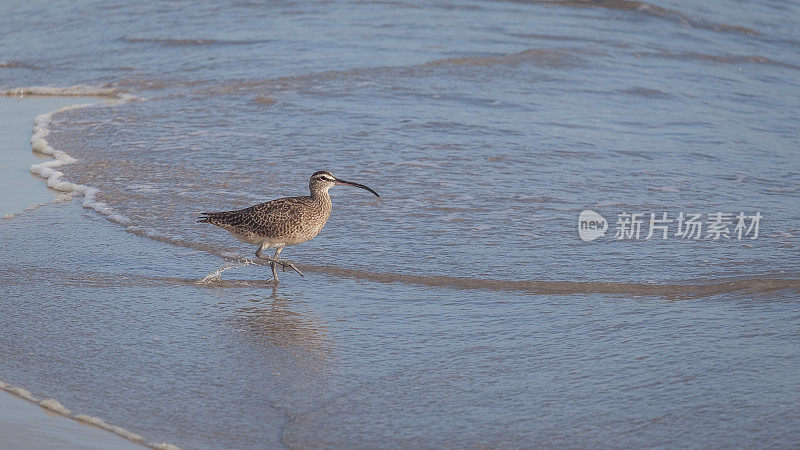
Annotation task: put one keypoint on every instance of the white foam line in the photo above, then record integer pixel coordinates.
(47, 170)
(54, 406)
(79, 90)
(56, 180)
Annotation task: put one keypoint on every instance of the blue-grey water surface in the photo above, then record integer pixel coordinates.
(460, 309)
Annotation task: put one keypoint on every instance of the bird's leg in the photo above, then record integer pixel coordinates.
(271, 263)
(284, 263)
(274, 260)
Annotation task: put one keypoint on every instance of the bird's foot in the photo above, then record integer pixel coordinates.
(285, 263)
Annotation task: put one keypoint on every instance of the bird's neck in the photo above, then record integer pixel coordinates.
(323, 201)
(321, 195)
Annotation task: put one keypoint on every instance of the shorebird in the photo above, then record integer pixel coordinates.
(282, 222)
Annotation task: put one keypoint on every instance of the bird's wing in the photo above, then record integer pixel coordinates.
(276, 218)
(279, 217)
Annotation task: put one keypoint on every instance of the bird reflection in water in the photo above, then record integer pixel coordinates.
(283, 323)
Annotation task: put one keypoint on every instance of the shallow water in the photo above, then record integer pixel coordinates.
(115, 325)
(459, 309)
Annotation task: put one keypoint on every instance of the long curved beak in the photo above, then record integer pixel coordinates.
(350, 183)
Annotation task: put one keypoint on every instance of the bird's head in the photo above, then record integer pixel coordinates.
(323, 180)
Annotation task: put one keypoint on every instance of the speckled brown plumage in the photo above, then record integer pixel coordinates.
(286, 221)
(282, 222)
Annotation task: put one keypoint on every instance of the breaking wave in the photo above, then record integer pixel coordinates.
(48, 170)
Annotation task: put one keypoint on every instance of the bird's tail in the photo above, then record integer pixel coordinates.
(208, 217)
(219, 219)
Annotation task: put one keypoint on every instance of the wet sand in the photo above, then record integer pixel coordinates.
(22, 190)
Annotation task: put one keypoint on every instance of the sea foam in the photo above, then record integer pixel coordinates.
(48, 170)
